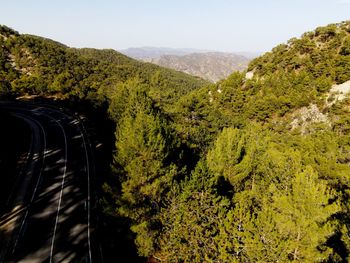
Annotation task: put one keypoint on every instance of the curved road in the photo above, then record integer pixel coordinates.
(48, 212)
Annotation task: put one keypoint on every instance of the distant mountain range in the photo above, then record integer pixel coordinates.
(212, 66)
(209, 65)
(156, 52)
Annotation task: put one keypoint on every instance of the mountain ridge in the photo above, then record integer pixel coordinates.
(37, 65)
(212, 66)
(207, 64)
(155, 52)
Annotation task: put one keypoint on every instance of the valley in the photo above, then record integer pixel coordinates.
(105, 158)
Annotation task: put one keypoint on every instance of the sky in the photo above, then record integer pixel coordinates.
(222, 25)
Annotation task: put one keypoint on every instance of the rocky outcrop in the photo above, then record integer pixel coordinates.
(306, 116)
(338, 93)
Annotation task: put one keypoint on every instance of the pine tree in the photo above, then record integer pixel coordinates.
(191, 220)
(143, 143)
(292, 225)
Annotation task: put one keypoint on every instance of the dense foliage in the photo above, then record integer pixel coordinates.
(251, 169)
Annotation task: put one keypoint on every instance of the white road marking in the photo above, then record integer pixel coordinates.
(77, 121)
(62, 187)
(88, 179)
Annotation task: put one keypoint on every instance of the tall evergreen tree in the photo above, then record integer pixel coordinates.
(291, 225)
(143, 145)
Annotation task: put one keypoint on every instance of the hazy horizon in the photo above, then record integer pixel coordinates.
(227, 26)
(189, 49)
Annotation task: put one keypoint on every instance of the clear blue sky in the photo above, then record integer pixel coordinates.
(226, 25)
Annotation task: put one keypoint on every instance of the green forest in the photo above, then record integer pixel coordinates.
(250, 169)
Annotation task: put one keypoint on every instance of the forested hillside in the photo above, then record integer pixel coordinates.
(34, 65)
(272, 183)
(255, 168)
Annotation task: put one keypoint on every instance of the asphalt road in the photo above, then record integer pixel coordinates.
(48, 214)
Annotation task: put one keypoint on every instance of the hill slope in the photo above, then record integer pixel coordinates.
(212, 66)
(290, 77)
(272, 182)
(35, 65)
